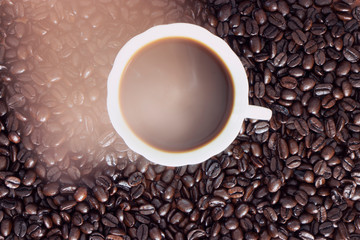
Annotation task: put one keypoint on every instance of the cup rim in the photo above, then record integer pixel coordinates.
(240, 99)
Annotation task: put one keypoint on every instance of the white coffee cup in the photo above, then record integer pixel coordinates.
(241, 108)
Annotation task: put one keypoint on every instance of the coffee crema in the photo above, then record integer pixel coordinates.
(176, 94)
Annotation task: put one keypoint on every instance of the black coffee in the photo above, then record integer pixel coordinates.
(176, 94)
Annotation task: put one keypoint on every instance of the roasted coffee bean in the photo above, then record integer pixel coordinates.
(293, 162)
(288, 202)
(318, 29)
(184, 205)
(351, 54)
(320, 167)
(67, 205)
(294, 60)
(356, 12)
(315, 125)
(283, 149)
(6, 227)
(293, 225)
(255, 44)
(213, 169)
(270, 214)
(323, 89)
(299, 37)
(12, 182)
(326, 229)
(307, 84)
(301, 197)
(101, 194)
(260, 16)
(302, 127)
(252, 27)
(80, 194)
(20, 227)
(231, 224)
(314, 105)
(104, 181)
(288, 82)
(217, 213)
(274, 184)
(319, 57)
(224, 12)
(277, 20)
(51, 189)
(135, 179)
(142, 232)
(280, 60)
(109, 220)
(147, 209)
(241, 210)
(271, 32)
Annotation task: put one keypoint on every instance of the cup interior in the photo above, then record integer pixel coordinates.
(240, 95)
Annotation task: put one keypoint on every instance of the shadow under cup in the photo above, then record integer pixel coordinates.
(176, 94)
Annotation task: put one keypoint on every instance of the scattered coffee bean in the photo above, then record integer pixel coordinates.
(292, 177)
(12, 182)
(51, 189)
(80, 194)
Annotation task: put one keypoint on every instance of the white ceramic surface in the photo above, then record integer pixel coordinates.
(241, 107)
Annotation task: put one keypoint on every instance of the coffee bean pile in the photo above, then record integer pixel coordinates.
(66, 174)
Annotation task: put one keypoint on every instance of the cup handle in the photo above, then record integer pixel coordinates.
(257, 112)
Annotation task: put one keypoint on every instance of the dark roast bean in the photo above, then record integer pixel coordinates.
(323, 89)
(293, 162)
(135, 179)
(196, 234)
(270, 214)
(67, 205)
(301, 197)
(351, 54)
(283, 149)
(260, 16)
(343, 68)
(334, 214)
(252, 27)
(288, 202)
(318, 29)
(12, 182)
(341, 7)
(51, 189)
(319, 57)
(184, 205)
(80, 194)
(280, 60)
(314, 105)
(293, 225)
(6, 227)
(241, 210)
(299, 37)
(224, 12)
(20, 227)
(307, 84)
(356, 12)
(302, 127)
(326, 229)
(271, 32)
(101, 194)
(277, 20)
(288, 82)
(109, 220)
(142, 232)
(147, 209)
